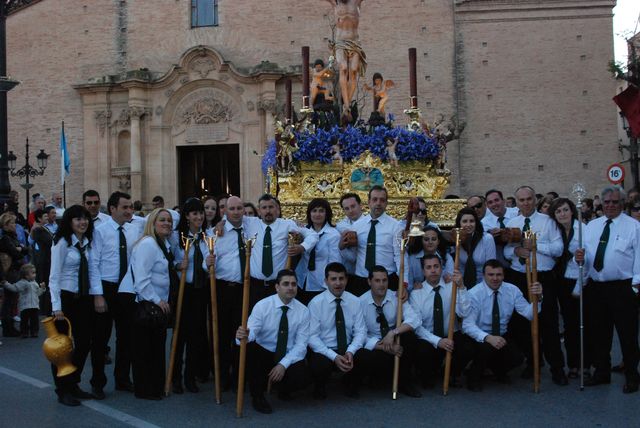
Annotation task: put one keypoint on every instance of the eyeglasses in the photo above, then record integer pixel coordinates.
(92, 202)
(611, 202)
(635, 209)
(477, 206)
(422, 211)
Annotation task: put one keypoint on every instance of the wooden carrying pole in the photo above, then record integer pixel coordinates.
(214, 321)
(245, 316)
(291, 242)
(452, 318)
(533, 298)
(176, 328)
(396, 358)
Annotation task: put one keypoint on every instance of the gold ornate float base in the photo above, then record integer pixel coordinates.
(311, 180)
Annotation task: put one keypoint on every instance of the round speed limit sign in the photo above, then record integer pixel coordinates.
(615, 173)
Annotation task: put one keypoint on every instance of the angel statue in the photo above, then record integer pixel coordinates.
(380, 91)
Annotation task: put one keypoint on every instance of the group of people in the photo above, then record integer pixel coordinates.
(323, 297)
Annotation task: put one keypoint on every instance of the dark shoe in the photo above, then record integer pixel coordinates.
(149, 397)
(177, 388)
(527, 373)
(202, 379)
(79, 394)
(68, 400)
(455, 382)
(11, 333)
(351, 391)
(573, 374)
(260, 404)
(98, 393)
(558, 377)
(618, 369)
(284, 396)
(191, 386)
(428, 383)
(34, 335)
(107, 360)
(630, 387)
(410, 391)
(503, 378)
(597, 380)
(474, 385)
(319, 392)
(25, 336)
(124, 386)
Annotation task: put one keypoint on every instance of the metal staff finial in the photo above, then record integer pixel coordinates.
(579, 193)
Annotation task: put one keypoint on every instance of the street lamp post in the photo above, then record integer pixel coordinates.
(27, 171)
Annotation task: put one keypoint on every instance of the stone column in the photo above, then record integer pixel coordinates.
(135, 113)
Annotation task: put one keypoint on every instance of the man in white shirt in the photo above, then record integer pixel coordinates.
(277, 334)
(493, 302)
(271, 248)
(230, 255)
(378, 243)
(50, 222)
(432, 303)
(549, 246)
(376, 358)
(91, 201)
(111, 246)
(495, 221)
(352, 207)
(612, 245)
(337, 331)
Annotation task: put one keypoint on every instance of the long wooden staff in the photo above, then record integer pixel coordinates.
(211, 242)
(534, 321)
(452, 317)
(176, 329)
(411, 209)
(245, 316)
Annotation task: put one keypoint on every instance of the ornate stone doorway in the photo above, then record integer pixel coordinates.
(208, 170)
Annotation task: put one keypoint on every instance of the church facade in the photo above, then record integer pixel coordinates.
(178, 97)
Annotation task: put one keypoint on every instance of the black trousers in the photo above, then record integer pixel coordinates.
(500, 361)
(613, 304)
(321, 367)
(120, 310)
(8, 305)
(429, 360)
(192, 337)
(229, 319)
(148, 358)
(29, 322)
(82, 316)
(260, 361)
(359, 285)
(570, 310)
(259, 289)
(378, 364)
(520, 327)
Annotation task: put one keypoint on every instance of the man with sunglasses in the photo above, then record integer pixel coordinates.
(91, 201)
(612, 259)
(376, 359)
(478, 203)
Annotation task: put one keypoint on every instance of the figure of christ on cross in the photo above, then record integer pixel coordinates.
(349, 55)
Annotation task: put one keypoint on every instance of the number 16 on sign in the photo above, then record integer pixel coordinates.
(615, 173)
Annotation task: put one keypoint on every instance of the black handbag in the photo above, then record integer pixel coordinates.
(148, 314)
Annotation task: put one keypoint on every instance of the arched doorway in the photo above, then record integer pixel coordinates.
(205, 170)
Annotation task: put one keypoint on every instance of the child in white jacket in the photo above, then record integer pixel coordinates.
(28, 303)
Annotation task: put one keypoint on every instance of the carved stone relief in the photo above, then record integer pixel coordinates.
(203, 66)
(102, 120)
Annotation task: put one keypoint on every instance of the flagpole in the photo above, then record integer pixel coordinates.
(63, 151)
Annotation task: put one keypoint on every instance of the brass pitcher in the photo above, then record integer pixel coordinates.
(58, 348)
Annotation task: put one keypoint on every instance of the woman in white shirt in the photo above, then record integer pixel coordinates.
(149, 277)
(73, 297)
(431, 243)
(565, 214)
(476, 246)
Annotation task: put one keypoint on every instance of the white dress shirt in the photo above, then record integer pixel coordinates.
(178, 253)
(65, 263)
(148, 273)
(51, 227)
(622, 254)
(388, 230)
(422, 302)
(549, 242)
(141, 222)
(389, 308)
(416, 273)
(101, 218)
(264, 323)
(106, 250)
(280, 229)
(477, 324)
(228, 254)
(490, 220)
(322, 329)
(326, 252)
(349, 254)
(485, 250)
